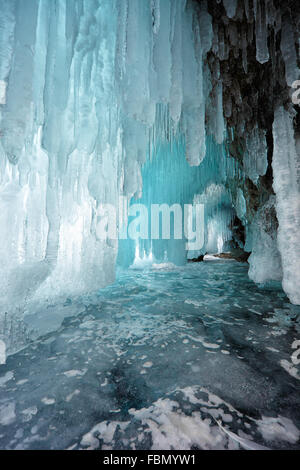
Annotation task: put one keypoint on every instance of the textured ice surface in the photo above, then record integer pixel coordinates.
(286, 170)
(193, 357)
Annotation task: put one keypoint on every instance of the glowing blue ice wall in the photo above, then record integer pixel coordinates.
(83, 84)
(169, 179)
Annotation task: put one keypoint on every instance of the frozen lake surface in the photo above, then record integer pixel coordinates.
(186, 358)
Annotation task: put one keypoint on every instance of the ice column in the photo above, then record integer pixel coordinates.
(286, 169)
(261, 28)
(288, 50)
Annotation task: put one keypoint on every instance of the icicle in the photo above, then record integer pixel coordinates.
(261, 28)
(247, 9)
(215, 43)
(155, 10)
(256, 155)
(222, 44)
(244, 48)
(230, 7)
(206, 31)
(162, 55)
(176, 95)
(194, 106)
(228, 106)
(7, 27)
(233, 34)
(16, 117)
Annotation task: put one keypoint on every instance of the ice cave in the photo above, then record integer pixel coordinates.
(129, 319)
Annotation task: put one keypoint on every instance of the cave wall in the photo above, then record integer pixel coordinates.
(90, 89)
(254, 58)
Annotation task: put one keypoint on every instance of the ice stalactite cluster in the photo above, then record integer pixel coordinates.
(90, 93)
(265, 260)
(255, 55)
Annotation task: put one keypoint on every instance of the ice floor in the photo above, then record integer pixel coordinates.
(185, 358)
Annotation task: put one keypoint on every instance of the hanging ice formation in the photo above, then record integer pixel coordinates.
(97, 96)
(81, 82)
